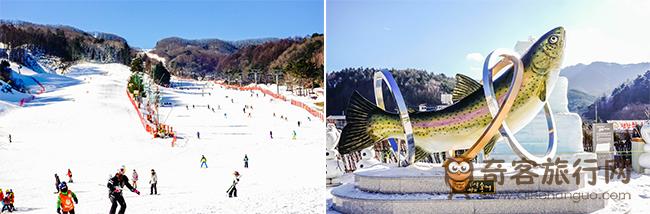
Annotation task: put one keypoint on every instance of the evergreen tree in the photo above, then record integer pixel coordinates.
(136, 65)
(160, 75)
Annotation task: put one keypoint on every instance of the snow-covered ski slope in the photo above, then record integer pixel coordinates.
(92, 128)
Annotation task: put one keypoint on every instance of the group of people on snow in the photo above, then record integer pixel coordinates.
(7, 200)
(232, 190)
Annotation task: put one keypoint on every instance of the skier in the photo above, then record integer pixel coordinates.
(8, 201)
(115, 186)
(56, 182)
(225, 115)
(198, 135)
(245, 161)
(65, 200)
(309, 118)
(69, 176)
(232, 191)
(298, 123)
(134, 177)
(204, 161)
(153, 182)
(294, 135)
(273, 114)
(218, 107)
(271, 133)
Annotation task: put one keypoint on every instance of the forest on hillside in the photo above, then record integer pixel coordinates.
(298, 61)
(628, 101)
(67, 43)
(417, 87)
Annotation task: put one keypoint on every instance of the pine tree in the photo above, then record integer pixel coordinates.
(160, 75)
(136, 65)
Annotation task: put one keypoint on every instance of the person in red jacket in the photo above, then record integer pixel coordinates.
(8, 201)
(66, 197)
(70, 176)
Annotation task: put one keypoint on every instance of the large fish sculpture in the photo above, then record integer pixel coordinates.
(459, 126)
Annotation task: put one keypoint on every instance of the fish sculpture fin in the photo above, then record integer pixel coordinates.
(421, 154)
(355, 135)
(542, 93)
(464, 86)
(489, 147)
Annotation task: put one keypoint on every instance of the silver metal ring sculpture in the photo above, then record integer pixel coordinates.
(493, 105)
(385, 76)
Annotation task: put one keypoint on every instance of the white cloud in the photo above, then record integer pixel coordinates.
(474, 57)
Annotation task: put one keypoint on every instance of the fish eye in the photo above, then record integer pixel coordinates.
(464, 167)
(453, 167)
(553, 39)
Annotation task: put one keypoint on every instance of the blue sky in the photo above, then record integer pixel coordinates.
(453, 36)
(143, 22)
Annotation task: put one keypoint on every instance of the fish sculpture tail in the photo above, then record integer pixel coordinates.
(355, 136)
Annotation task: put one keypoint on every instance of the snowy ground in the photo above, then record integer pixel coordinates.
(92, 128)
(638, 189)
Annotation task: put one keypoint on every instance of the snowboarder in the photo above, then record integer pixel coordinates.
(56, 182)
(66, 197)
(134, 177)
(8, 201)
(204, 161)
(245, 161)
(271, 133)
(69, 176)
(153, 182)
(232, 191)
(115, 186)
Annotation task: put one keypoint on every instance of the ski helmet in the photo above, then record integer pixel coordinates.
(63, 186)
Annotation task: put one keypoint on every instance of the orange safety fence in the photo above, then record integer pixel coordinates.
(22, 101)
(307, 108)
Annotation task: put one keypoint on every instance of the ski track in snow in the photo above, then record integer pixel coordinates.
(92, 128)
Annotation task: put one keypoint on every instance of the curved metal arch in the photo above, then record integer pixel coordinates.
(385, 76)
(495, 108)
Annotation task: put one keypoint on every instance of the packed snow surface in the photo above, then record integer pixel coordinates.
(90, 127)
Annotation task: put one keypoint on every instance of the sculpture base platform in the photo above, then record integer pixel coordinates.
(421, 188)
